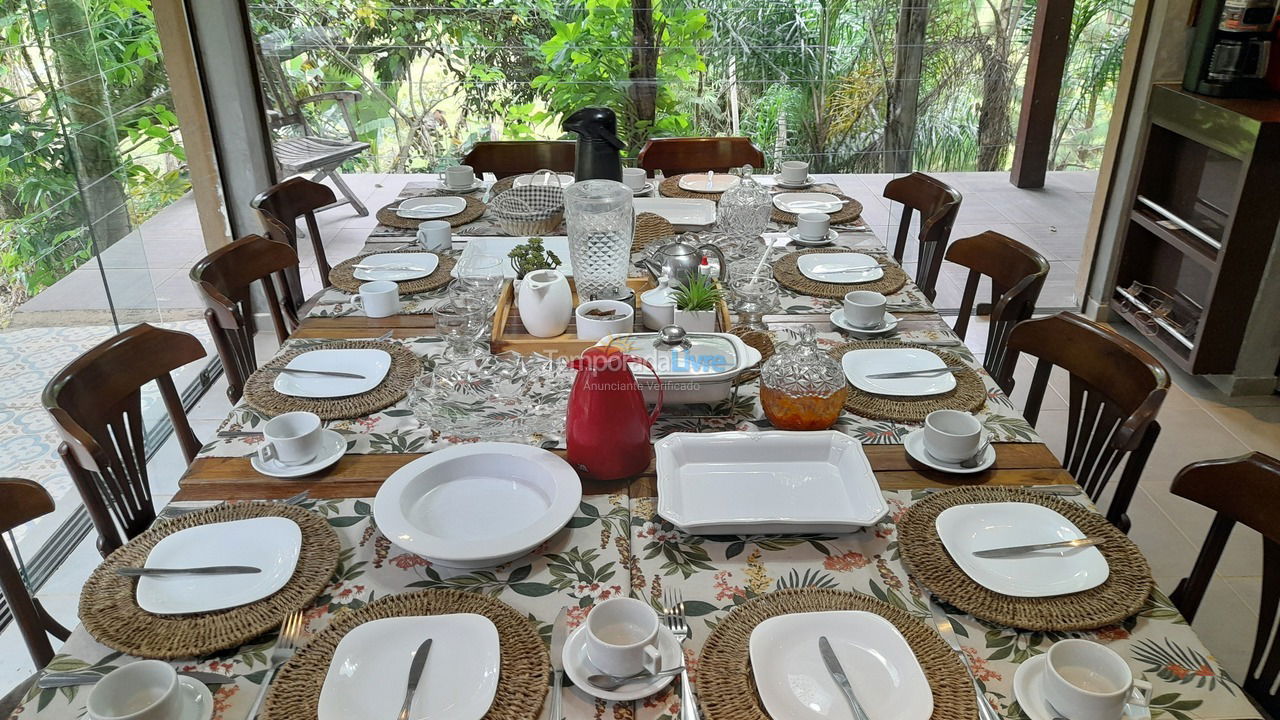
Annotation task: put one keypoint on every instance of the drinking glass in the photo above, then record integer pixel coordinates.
(461, 321)
(600, 222)
(482, 276)
(752, 298)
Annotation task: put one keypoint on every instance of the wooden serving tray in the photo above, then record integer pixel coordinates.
(510, 334)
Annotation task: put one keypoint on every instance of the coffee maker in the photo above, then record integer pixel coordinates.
(1231, 48)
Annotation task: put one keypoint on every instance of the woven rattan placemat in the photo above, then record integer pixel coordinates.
(387, 215)
(788, 274)
(522, 676)
(650, 227)
(726, 684)
(845, 215)
(758, 339)
(1121, 596)
(261, 395)
(342, 276)
(109, 608)
(670, 187)
(969, 394)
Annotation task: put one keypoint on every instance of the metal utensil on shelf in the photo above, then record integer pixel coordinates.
(613, 682)
(559, 633)
(171, 511)
(943, 623)
(842, 680)
(286, 646)
(1024, 549)
(325, 373)
(207, 570)
(403, 268)
(916, 373)
(77, 678)
(415, 675)
(673, 615)
(1055, 490)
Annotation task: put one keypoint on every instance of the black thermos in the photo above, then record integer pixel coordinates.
(598, 144)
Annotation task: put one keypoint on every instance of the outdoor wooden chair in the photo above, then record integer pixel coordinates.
(1240, 490)
(1017, 275)
(96, 404)
(225, 279)
(22, 501)
(681, 155)
(938, 205)
(1116, 390)
(284, 203)
(519, 157)
(297, 146)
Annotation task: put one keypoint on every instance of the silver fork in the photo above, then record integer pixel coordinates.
(286, 646)
(673, 615)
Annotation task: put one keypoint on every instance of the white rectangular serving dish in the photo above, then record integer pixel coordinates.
(683, 214)
(766, 483)
(500, 247)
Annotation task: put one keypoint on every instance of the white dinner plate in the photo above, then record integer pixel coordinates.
(800, 202)
(858, 364)
(683, 214)
(542, 179)
(886, 326)
(773, 482)
(269, 543)
(818, 266)
(430, 208)
(966, 529)
(794, 683)
(500, 247)
(372, 363)
(698, 182)
(370, 669)
(425, 263)
(477, 505)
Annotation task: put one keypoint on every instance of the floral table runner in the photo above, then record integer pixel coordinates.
(615, 546)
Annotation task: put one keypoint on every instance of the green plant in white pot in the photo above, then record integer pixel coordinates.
(696, 301)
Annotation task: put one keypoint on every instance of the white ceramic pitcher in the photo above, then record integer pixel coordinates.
(545, 303)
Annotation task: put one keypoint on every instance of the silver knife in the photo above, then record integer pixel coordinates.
(73, 679)
(943, 623)
(559, 633)
(326, 373)
(837, 673)
(916, 373)
(1024, 549)
(208, 570)
(415, 674)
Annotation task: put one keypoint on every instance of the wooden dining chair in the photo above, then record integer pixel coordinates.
(225, 279)
(22, 501)
(1116, 389)
(286, 202)
(1242, 490)
(96, 404)
(505, 158)
(938, 204)
(681, 155)
(1017, 275)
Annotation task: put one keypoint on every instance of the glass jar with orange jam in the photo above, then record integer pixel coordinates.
(802, 387)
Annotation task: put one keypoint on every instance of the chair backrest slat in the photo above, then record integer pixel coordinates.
(938, 205)
(505, 158)
(682, 155)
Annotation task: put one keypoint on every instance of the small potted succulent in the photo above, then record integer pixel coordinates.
(696, 300)
(532, 256)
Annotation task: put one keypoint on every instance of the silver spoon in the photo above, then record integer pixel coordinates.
(611, 682)
(975, 460)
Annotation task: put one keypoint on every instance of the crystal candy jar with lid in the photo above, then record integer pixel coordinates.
(743, 212)
(600, 222)
(802, 387)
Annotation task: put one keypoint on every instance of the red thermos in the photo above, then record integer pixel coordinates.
(607, 428)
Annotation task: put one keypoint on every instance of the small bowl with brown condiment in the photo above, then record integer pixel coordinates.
(598, 318)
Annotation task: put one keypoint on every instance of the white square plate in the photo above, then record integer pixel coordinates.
(270, 543)
(370, 669)
(819, 266)
(684, 214)
(966, 529)
(698, 182)
(500, 247)
(429, 208)
(427, 262)
(799, 202)
(794, 682)
(373, 364)
(775, 482)
(858, 364)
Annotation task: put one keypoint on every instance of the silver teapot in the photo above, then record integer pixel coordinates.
(681, 259)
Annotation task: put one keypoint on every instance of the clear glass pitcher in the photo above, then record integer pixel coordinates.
(600, 222)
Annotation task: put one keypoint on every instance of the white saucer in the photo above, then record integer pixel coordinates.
(777, 180)
(577, 667)
(648, 188)
(199, 705)
(476, 184)
(794, 234)
(837, 319)
(914, 444)
(1027, 681)
(332, 447)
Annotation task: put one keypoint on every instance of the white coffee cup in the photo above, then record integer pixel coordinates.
(951, 435)
(293, 438)
(813, 225)
(378, 298)
(795, 172)
(142, 690)
(459, 177)
(634, 178)
(1087, 681)
(864, 309)
(435, 235)
(622, 637)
